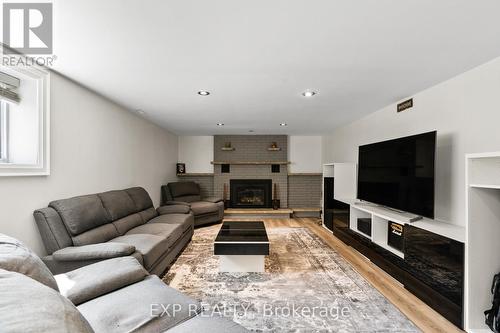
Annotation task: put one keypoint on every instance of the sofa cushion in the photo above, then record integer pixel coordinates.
(94, 251)
(204, 207)
(173, 209)
(172, 232)
(118, 204)
(128, 222)
(208, 323)
(213, 199)
(89, 282)
(185, 220)
(60, 267)
(99, 234)
(140, 307)
(180, 189)
(16, 257)
(28, 306)
(54, 234)
(188, 198)
(140, 197)
(148, 214)
(81, 213)
(152, 247)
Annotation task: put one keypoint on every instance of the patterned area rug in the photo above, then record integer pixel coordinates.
(307, 287)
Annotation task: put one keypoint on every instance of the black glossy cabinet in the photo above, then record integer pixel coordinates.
(328, 202)
(336, 213)
(395, 236)
(365, 226)
(438, 262)
(341, 216)
(433, 267)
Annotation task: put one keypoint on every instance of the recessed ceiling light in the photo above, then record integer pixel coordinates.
(308, 93)
(283, 124)
(220, 124)
(141, 112)
(203, 93)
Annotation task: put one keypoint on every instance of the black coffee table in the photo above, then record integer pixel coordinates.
(242, 246)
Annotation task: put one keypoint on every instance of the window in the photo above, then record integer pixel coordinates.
(24, 121)
(4, 134)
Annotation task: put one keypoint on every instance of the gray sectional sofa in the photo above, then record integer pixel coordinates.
(87, 229)
(205, 210)
(114, 295)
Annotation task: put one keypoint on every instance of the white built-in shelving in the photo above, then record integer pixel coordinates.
(345, 190)
(490, 186)
(345, 175)
(481, 234)
(482, 245)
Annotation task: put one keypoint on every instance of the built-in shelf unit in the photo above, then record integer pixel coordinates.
(344, 175)
(428, 250)
(482, 248)
(379, 225)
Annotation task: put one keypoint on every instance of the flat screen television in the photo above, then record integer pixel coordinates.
(399, 173)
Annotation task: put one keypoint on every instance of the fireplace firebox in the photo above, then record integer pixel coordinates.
(250, 193)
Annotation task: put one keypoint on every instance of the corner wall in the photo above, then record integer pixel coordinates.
(464, 111)
(95, 146)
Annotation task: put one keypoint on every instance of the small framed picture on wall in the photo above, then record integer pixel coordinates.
(181, 168)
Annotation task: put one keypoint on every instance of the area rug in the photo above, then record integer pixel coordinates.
(307, 287)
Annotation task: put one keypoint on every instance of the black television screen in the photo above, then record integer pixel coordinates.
(399, 173)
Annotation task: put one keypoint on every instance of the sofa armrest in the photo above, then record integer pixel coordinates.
(173, 209)
(92, 281)
(93, 252)
(178, 203)
(212, 199)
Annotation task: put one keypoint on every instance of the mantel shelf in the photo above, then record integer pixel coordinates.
(487, 186)
(250, 162)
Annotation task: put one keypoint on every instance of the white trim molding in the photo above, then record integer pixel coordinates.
(42, 165)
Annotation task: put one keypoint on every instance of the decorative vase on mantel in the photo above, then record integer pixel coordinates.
(227, 147)
(274, 147)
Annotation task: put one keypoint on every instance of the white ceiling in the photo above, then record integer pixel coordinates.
(257, 57)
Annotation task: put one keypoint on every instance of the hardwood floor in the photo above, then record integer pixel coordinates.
(417, 311)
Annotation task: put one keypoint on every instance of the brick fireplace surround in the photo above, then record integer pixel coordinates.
(294, 190)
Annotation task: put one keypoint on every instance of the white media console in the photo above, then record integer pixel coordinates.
(345, 175)
(345, 191)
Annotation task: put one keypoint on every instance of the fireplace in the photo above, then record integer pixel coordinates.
(250, 193)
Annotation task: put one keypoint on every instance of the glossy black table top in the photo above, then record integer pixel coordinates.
(242, 232)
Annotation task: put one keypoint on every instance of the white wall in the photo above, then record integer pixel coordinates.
(95, 146)
(305, 154)
(464, 111)
(197, 152)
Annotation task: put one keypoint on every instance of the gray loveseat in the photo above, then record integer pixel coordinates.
(114, 295)
(205, 210)
(87, 229)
